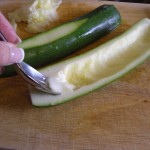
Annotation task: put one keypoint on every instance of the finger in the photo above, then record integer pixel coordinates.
(10, 54)
(8, 31)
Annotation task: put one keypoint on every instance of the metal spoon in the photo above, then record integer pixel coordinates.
(31, 75)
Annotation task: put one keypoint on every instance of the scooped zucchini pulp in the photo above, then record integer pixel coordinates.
(61, 41)
(94, 69)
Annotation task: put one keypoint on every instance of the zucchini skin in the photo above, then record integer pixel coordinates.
(100, 22)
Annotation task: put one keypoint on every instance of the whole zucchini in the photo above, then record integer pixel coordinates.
(69, 37)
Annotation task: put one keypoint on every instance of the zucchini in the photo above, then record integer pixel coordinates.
(97, 68)
(67, 38)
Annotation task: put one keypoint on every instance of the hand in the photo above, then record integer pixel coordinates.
(9, 52)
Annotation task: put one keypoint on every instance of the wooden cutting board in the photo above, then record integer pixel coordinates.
(116, 117)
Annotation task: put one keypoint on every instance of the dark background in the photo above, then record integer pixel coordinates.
(133, 1)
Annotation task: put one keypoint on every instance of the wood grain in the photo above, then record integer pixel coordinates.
(116, 117)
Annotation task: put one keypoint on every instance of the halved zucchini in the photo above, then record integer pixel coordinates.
(99, 67)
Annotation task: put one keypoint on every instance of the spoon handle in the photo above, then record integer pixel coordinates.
(2, 37)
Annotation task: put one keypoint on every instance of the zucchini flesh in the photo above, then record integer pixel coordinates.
(55, 44)
(112, 60)
(52, 35)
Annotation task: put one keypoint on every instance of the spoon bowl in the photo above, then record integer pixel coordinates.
(34, 77)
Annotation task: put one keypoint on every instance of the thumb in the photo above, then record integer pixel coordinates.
(10, 54)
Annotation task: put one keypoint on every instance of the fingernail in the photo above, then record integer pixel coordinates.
(17, 55)
(17, 41)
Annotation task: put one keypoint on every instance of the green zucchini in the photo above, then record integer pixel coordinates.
(67, 38)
